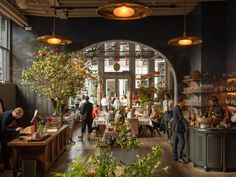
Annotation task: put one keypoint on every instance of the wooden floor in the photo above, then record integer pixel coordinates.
(87, 147)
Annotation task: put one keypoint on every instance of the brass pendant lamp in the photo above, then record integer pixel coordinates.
(185, 40)
(54, 39)
(124, 10)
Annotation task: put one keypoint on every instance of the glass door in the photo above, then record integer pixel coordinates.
(122, 87)
(117, 86)
(111, 87)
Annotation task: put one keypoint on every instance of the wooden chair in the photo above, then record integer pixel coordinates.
(134, 124)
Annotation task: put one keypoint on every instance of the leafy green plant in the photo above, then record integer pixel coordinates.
(124, 139)
(56, 75)
(160, 94)
(148, 165)
(102, 165)
(78, 168)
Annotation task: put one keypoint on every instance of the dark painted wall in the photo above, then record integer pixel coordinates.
(207, 21)
(152, 31)
(194, 28)
(230, 36)
(213, 35)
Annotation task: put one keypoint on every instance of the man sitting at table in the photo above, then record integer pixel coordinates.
(9, 124)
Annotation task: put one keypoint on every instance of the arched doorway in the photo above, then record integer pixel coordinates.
(123, 66)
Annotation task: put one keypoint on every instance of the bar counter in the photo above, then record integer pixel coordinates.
(214, 149)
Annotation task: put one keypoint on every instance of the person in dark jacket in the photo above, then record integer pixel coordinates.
(178, 128)
(87, 118)
(215, 111)
(9, 123)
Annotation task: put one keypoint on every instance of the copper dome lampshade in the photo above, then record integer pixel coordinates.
(124, 10)
(185, 40)
(54, 39)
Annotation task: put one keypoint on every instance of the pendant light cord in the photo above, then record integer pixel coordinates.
(185, 11)
(54, 19)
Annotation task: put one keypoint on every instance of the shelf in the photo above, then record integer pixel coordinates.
(197, 105)
(206, 79)
(228, 105)
(201, 92)
(230, 91)
(209, 92)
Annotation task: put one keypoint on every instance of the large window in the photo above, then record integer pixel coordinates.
(160, 67)
(110, 62)
(141, 69)
(4, 48)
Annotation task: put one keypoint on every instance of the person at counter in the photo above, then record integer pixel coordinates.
(9, 123)
(168, 113)
(178, 129)
(215, 111)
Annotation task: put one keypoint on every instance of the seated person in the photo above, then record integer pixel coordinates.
(119, 115)
(111, 114)
(155, 120)
(126, 111)
(131, 114)
(10, 124)
(95, 112)
(215, 111)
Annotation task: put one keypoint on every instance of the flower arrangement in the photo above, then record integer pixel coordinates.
(57, 75)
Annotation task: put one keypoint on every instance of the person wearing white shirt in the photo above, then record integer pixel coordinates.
(116, 103)
(124, 101)
(104, 103)
(81, 105)
(168, 113)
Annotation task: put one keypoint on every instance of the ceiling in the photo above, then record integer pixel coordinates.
(87, 8)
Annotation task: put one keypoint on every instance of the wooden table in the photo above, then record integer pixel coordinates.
(44, 152)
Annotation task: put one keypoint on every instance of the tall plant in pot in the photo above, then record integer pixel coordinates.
(56, 75)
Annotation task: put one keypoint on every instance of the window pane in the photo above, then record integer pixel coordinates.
(141, 66)
(110, 62)
(160, 66)
(4, 64)
(1, 72)
(3, 32)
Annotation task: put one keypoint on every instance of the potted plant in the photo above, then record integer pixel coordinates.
(104, 165)
(56, 75)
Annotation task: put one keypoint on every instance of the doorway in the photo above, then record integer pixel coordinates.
(117, 87)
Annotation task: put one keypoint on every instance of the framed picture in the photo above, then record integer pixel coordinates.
(1, 106)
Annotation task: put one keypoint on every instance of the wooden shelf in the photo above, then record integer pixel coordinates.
(230, 91)
(226, 92)
(228, 105)
(206, 79)
(196, 105)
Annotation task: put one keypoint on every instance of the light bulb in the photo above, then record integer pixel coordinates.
(123, 11)
(54, 40)
(185, 41)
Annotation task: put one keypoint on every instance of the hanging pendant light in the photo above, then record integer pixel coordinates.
(185, 40)
(124, 10)
(54, 39)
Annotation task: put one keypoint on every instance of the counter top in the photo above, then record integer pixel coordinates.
(230, 129)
